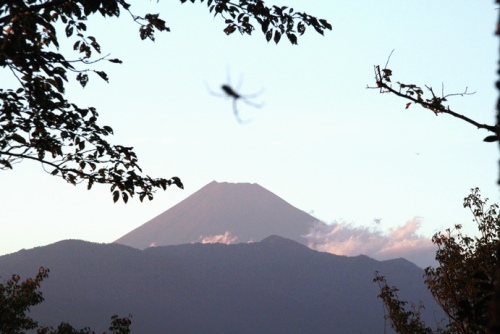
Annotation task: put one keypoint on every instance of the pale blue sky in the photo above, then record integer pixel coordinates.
(322, 141)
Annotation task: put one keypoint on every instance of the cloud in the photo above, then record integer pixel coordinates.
(346, 239)
(226, 238)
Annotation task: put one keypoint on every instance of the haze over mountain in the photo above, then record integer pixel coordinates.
(273, 286)
(224, 212)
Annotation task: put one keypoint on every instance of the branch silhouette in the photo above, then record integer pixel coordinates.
(415, 94)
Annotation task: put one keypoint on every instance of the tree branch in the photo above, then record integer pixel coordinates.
(383, 83)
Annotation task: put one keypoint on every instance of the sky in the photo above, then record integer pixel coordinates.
(352, 157)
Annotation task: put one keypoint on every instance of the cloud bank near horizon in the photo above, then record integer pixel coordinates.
(350, 240)
(347, 239)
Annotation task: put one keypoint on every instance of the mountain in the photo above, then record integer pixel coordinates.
(273, 286)
(242, 210)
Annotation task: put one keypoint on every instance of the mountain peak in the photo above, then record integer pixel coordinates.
(223, 212)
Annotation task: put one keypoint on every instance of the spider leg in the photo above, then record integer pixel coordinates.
(236, 114)
(254, 95)
(211, 92)
(252, 104)
(247, 99)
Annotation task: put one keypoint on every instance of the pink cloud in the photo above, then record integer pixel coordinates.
(226, 238)
(346, 239)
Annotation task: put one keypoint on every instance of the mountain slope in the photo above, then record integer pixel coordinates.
(247, 211)
(273, 286)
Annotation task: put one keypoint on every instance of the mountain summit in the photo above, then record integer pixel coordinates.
(223, 212)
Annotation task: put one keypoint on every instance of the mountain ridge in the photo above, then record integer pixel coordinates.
(273, 286)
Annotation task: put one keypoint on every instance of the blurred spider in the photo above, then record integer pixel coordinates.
(233, 94)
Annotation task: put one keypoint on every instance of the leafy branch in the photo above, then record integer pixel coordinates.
(38, 123)
(274, 21)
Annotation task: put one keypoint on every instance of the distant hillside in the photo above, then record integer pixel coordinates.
(273, 286)
(244, 211)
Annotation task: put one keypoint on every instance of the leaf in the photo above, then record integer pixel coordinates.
(116, 195)
(265, 26)
(269, 35)
(115, 60)
(325, 24)
(103, 75)
(292, 38)
(83, 79)
(491, 139)
(408, 105)
(318, 29)
(177, 182)
(301, 28)
(125, 197)
(69, 31)
(277, 36)
(230, 29)
(18, 138)
(387, 72)
(108, 129)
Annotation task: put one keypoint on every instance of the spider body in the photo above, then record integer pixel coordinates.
(235, 96)
(230, 92)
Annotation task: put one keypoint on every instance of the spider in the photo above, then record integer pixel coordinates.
(233, 94)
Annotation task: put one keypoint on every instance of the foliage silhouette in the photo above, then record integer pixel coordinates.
(16, 298)
(38, 123)
(462, 284)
